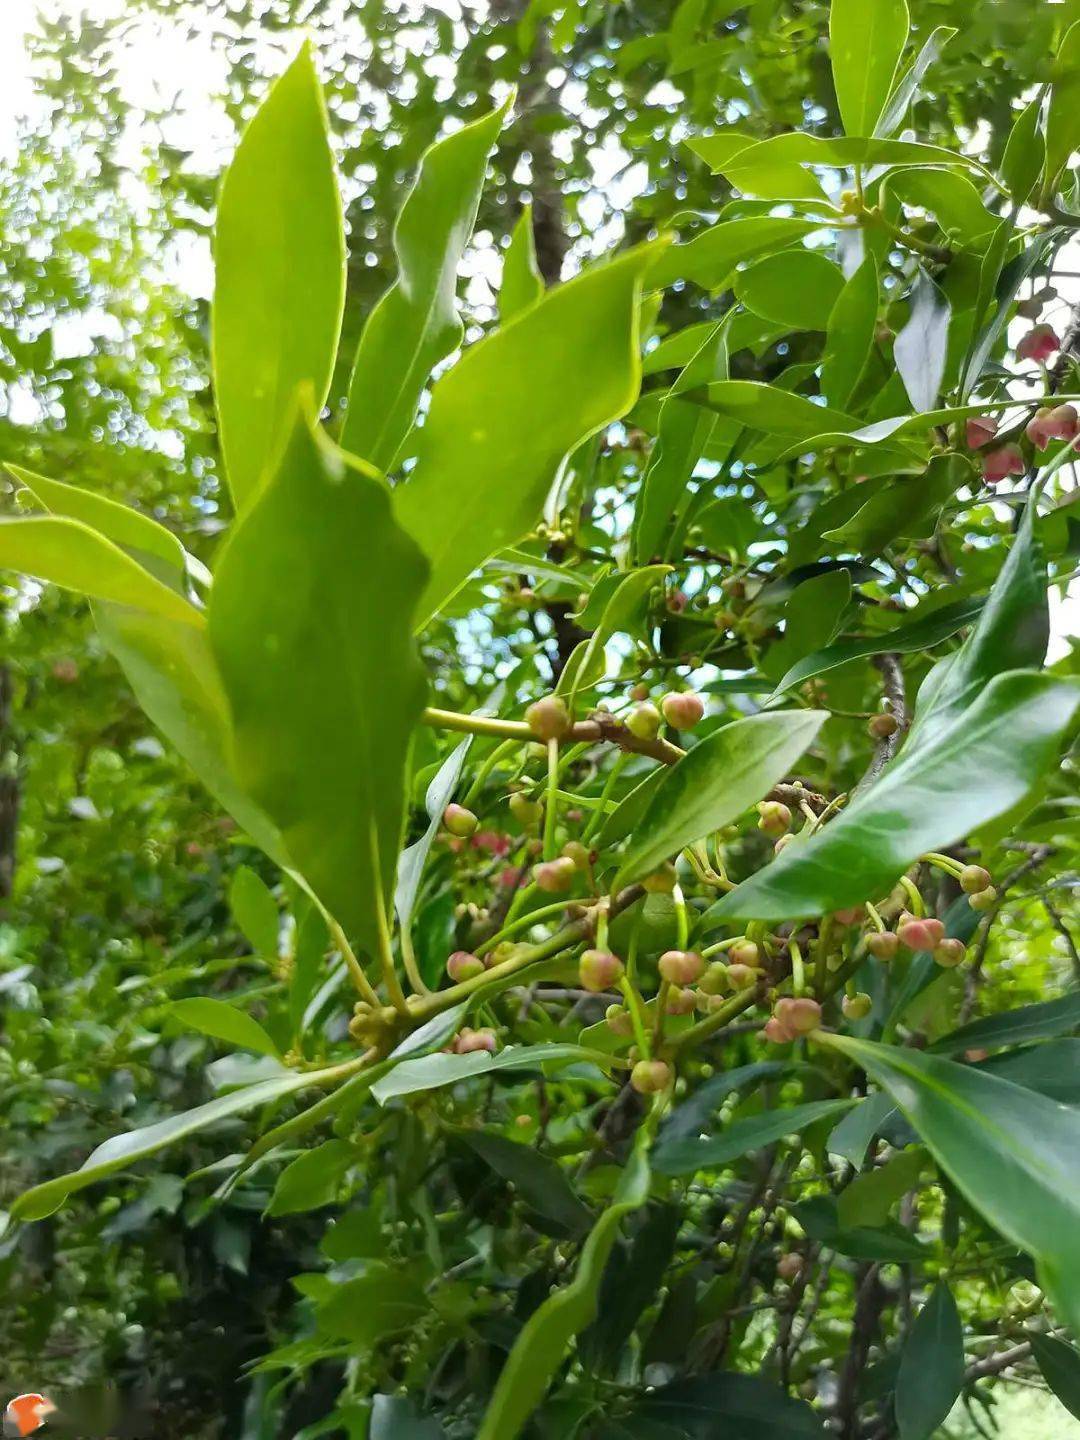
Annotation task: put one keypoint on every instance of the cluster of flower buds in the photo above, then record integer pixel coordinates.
(976, 885)
(1053, 422)
(928, 934)
(792, 1018)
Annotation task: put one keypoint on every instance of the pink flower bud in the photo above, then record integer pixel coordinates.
(775, 817)
(745, 953)
(599, 970)
(680, 967)
(468, 1041)
(1038, 344)
(950, 953)
(643, 722)
(682, 709)
(921, 934)
(974, 878)
(680, 1001)
(980, 430)
(777, 1032)
(554, 876)
(463, 965)
(459, 821)
(677, 601)
(649, 1077)
(851, 916)
(742, 976)
(548, 718)
(882, 944)
(883, 725)
(999, 464)
(1058, 423)
(800, 1016)
(789, 1267)
(618, 1019)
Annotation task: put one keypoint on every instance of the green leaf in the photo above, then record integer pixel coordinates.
(907, 87)
(851, 1138)
(973, 768)
(522, 284)
(1053, 1069)
(631, 1280)
(713, 784)
(922, 634)
(416, 323)
(430, 1072)
(576, 675)
(999, 287)
(255, 911)
(812, 614)
(709, 259)
(931, 1367)
(384, 1300)
(684, 1157)
(691, 1117)
(509, 412)
(629, 810)
(849, 334)
(538, 1180)
(621, 611)
(70, 554)
(411, 862)
(866, 41)
(312, 1179)
(394, 1417)
(796, 289)
(921, 346)
(149, 543)
(769, 182)
(122, 1151)
(1060, 1366)
(1063, 112)
(223, 1022)
(767, 408)
(322, 675)
(906, 506)
(798, 147)
(737, 1407)
(1025, 152)
(1012, 1153)
(870, 1196)
(1013, 1027)
(546, 1335)
(954, 201)
(890, 1241)
(280, 258)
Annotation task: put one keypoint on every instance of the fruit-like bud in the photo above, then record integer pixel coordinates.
(680, 967)
(528, 813)
(716, 979)
(883, 725)
(980, 430)
(464, 965)
(745, 953)
(800, 1016)
(883, 944)
(682, 709)
(680, 1001)
(999, 464)
(789, 1267)
(677, 601)
(974, 878)
(599, 970)
(852, 915)
(1038, 344)
(858, 1006)
(777, 1032)
(742, 976)
(467, 1041)
(577, 852)
(554, 876)
(618, 1019)
(775, 817)
(643, 722)
(661, 881)
(950, 953)
(850, 204)
(640, 691)
(548, 718)
(459, 821)
(983, 899)
(649, 1077)
(921, 934)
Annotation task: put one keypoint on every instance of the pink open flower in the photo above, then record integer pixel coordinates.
(1038, 344)
(1058, 423)
(999, 464)
(981, 429)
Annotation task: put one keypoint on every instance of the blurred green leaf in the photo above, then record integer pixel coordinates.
(223, 1022)
(522, 284)
(931, 1367)
(255, 911)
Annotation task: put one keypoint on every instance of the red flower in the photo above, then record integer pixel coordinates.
(1038, 344)
(981, 429)
(999, 464)
(1058, 423)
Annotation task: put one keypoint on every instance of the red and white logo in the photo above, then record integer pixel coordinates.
(26, 1414)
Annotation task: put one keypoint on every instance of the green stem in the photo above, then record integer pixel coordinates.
(359, 979)
(716, 1021)
(637, 1015)
(597, 817)
(485, 769)
(798, 971)
(521, 923)
(408, 957)
(911, 891)
(551, 808)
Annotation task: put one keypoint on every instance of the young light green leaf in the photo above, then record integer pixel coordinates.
(709, 259)
(869, 1198)
(431, 1072)
(416, 323)
(921, 346)
(522, 284)
(72, 555)
(798, 147)
(1012, 1153)
(849, 334)
(1060, 1366)
(331, 774)
(943, 786)
(931, 1372)
(769, 182)
(907, 87)
(543, 1341)
(770, 409)
(312, 1179)
(255, 911)
(953, 199)
(277, 306)
(621, 611)
(866, 41)
(576, 675)
(505, 417)
(223, 1022)
(851, 1138)
(1063, 111)
(411, 863)
(685, 1157)
(797, 288)
(713, 784)
(1025, 152)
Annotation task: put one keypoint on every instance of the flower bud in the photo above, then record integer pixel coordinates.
(459, 821)
(789, 1267)
(528, 813)
(775, 817)
(950, 953)
(680, 1001)
(677, 601)
(921, 934)
(974, 878)
(980, 430)
(1038, 344)
(468, 1041)
(852, 915)
(661, 881)
(464, 965)
(599, 970)
(882, 944)
(577, 852)
(777, 1032)
(682, 709)
(800, 1016)
(618, 1019)
(999, 464)
(548, 718)
(640, 691)
(883, 725)
(858, 1006)
(554, 877)
(716, 979)
(649, 1077)
(983, 899)
(742, 976)
(744, 953)
(680, 967)
(643, 722)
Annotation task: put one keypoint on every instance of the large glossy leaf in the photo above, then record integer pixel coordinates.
(970, 770)
(931, 1372)
(726, 1404)
(620, 612)
(866, 40)
(1013, 1154)
(631, 1279)
(1014, 1027)
(905, 639)
(768, 182)
(522, 284)
(710, 258)
(954, 201)
(921, 346)
(768, 408)
(431, 1072)
(416, 323)
(1025, 152)
(411, 863)
(280, 260)
(797, 147)
(796, 289)
(907, 506)
(693, 1115)
(223, 1022)
(312, 1179)
(70, 554)
(849, 335)
(685, 1156)
(546, 1335)
(1052, 1069)
(1060, 1366)
(504, 418)
(1063, 112)
(321, 672)
(722, 776)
